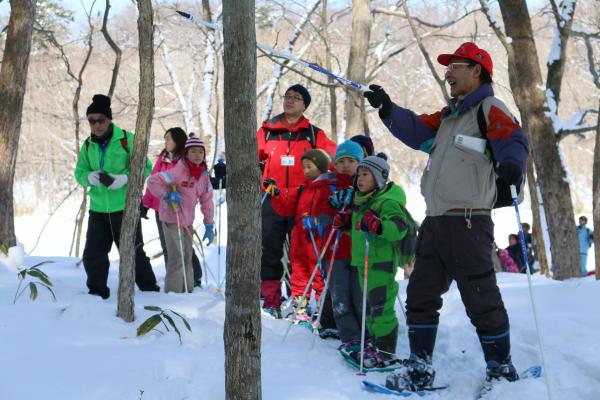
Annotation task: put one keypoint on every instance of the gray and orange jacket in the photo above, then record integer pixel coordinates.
(457, 176)
(275, 141)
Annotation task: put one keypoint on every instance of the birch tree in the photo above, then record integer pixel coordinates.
(131, 216)
(13, 80)
(242, 330)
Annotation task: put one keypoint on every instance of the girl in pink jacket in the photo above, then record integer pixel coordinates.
(178, 190)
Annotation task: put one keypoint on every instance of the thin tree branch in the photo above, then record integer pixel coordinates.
(381, 10)
(114, 47)
(440, 81)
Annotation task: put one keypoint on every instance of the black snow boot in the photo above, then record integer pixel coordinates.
(496, 350)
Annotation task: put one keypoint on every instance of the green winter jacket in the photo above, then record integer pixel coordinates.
(382, 251)
(113, 159)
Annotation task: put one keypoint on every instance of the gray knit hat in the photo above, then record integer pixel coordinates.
(378, 167)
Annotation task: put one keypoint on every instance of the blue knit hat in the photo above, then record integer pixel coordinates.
(349, 149)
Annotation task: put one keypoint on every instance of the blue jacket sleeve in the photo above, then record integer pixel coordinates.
(417, 132)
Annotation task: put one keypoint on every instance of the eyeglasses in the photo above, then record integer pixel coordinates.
(292, 98)
(452, 66)
(93, 121)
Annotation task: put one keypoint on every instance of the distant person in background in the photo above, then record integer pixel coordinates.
(103, 167)
(586, 238)
(529, 245)
(514, 251)
(168, 158)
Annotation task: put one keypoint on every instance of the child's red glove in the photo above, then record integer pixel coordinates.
(341, 220)
(370, 222)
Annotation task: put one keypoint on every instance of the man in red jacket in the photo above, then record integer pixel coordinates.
(281, 143)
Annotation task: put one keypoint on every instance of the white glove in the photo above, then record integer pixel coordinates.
(120, 181)
(94, 178)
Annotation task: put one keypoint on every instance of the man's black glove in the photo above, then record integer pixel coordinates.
(378, 98)
(106, 179)
(510, 172)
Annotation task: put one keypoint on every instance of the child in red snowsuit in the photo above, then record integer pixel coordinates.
(309, 220)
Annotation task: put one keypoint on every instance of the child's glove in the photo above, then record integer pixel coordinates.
(119, 180)
(174, 197)
(370, 222)
(309, 223)
(270, 187)
(209, 233)
(342, 199)
(342, 220)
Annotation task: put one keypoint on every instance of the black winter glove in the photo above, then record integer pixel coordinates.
(143, 211)
(510, 172)
(106, 179)
(378, 98)
(220, 170)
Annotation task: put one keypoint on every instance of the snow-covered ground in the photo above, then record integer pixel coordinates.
(76, 347)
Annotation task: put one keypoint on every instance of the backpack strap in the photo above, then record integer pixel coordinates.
(125, 146)
(482, 124)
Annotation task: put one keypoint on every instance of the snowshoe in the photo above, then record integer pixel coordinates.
(329, 333)
(418, 374)
(274, 312)
(373, 360)
(501, 372)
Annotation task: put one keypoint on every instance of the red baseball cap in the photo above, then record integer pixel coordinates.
(472, 52)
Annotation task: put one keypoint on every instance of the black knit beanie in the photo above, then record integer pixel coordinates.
(100, 105)
(303, 92)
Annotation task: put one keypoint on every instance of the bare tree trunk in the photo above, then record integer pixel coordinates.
(536, 223)
(242, 330)
(13, 79)
(596, 195)
(357, 67)
(525, 81)
(330, 80)
(131, 216)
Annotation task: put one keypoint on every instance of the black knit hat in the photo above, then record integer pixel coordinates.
(100, 105)
(303, 92)
(319, 157)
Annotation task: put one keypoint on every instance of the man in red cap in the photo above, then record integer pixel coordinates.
(469, 142)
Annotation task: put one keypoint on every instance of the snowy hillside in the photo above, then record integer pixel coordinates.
(76, 348)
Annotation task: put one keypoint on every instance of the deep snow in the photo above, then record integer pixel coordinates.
(76, 348)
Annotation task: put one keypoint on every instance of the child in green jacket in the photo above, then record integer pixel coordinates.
(378, 216)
